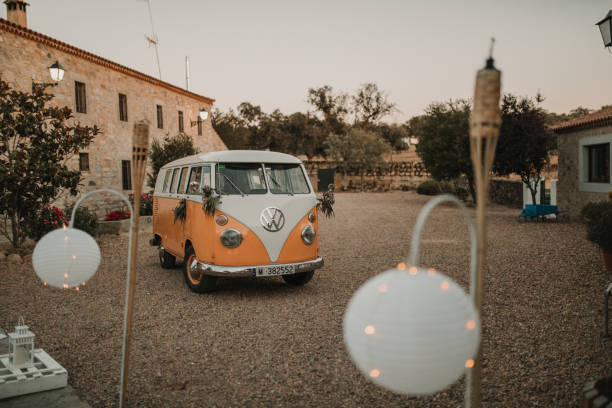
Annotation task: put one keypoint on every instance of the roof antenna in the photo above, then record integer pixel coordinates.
(153, 40)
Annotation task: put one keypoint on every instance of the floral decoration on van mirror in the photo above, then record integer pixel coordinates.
(326, 202)
(180, 211)
(210, 200)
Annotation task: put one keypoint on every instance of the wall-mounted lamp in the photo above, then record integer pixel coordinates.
(56, 71)
(605, 27)
(201, 117)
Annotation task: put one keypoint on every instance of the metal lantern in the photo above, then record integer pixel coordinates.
(56, 71)
(412, 330)
(605, 27)
(66, 258)
(21, 346)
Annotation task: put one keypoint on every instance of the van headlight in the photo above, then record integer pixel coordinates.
(308, 235)
(231, 238)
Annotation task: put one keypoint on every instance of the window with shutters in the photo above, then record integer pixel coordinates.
(80, 97)
(126, 174)
(123, 114)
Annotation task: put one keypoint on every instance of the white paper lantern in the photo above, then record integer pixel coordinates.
(66, 257)
(413, 331)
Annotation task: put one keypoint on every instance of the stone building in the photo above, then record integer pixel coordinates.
(103, 93)
(584, 160)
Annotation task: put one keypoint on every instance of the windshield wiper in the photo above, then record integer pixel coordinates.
(232, 183)
(271, 177)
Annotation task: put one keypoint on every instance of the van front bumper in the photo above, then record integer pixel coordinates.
(231, 271)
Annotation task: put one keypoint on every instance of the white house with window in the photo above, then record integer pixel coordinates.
(585, 173)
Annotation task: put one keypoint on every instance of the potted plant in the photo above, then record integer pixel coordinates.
(598, 218)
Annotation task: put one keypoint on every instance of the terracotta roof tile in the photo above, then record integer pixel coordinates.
(600, 118)
(69, 49)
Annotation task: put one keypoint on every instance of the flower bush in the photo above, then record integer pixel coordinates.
(146, 203)
(48, 219)
(117, 215)
(598, 218)
(85, 220)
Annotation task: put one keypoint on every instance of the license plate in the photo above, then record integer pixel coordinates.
(274, 270)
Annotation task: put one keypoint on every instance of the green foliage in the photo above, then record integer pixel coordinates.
(85, 220)
(525, 141)
(598, 218)
(370, 104)
(180, 211)
(333, 106)
(36, 143)
(210, 201)
(444, 143)
(172, 148)
(429, 187)
(326, 202)
(358, 149)
(394, 134)
(49, 219)
(146, 203)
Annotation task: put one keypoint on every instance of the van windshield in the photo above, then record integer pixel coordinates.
(241, 179)
(286, 179)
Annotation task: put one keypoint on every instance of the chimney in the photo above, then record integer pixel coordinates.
(16, 12)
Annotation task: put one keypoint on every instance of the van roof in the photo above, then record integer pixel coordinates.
(236, 156)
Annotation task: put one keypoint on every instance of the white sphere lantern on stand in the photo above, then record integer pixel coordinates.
(413, 330)
(66, 258)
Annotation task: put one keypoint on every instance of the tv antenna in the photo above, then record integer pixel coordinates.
(153, 40)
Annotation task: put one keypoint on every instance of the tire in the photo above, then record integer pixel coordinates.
(167, 260)
(200, 283)
(298, 279)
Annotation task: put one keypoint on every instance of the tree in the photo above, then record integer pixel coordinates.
(444, 143)
(231, 129)
(358, 150)
(172, 148)
(35, 145)
(524, 141)
(370, 105)
(332, 106)
(396, 135)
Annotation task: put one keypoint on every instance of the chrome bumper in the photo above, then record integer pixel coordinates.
(230, 271)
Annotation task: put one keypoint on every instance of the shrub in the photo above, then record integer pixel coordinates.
(117, 215)
(48, 219)
(85, 220)
(146, 203)
(429, 187)
(598, 218)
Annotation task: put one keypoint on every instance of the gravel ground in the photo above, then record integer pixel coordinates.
(260, 343)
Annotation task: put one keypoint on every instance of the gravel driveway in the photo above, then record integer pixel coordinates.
(261, 343)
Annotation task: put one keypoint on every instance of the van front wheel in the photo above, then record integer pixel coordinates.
(298, 279)
(196, 280)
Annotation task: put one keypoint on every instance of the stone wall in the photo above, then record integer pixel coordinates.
(570, 197)
(25, 57)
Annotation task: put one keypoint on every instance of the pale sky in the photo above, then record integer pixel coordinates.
(269, 52)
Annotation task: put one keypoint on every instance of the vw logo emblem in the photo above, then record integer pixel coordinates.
(272, 219)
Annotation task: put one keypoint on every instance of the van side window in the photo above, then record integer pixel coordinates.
(174, 180)
(206, 176)
(183, 181)
(193, 187)
(166, 181)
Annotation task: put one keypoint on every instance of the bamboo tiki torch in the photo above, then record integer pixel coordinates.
(140, 145)
(485, 122)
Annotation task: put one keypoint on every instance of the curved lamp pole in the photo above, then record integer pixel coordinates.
(57, 255)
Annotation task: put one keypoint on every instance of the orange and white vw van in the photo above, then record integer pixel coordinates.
(265, 221)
